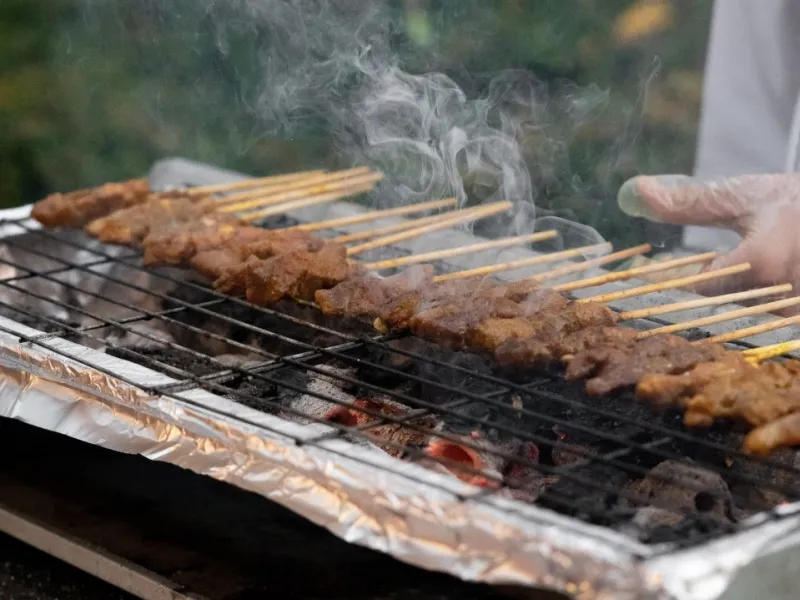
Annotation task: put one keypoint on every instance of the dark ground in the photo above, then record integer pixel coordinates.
(27, 574)
(210, 537)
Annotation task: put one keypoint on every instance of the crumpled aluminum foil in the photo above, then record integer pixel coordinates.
(363, 495)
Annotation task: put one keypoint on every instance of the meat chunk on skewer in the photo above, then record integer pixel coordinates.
(545, 342)
(78, 208)
(238, 242)
(131, 225)
(449, 323)
(297, 275)
(765, 396)
(367, 295)
(781, 433)
(619, 365)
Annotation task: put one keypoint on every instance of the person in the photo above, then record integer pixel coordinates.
(745, 193)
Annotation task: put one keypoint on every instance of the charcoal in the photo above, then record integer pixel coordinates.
(689, 529)
(587, 492)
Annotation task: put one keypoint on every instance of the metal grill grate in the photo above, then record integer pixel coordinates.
(609, 444)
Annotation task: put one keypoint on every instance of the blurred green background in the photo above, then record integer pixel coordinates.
(94, 90)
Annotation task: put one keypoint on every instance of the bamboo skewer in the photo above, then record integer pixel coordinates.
(250, 183)
(267, 192)
(374, 215)
(706, 302)
(364, 186)
(460, 250)
(331, 183)
(668, 285)
(462, 216)
(523, 262)
(387, 229)
(635, 272)
(772, 351)
(747, 332)
(722, 317)
(592, 262)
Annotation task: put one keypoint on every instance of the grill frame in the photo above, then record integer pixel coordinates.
(611, 562)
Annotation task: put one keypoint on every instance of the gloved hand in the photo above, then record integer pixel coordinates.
(763, 209)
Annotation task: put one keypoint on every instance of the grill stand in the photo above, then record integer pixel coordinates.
(363, 495)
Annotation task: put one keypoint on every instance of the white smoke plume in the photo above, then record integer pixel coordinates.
(333, 65)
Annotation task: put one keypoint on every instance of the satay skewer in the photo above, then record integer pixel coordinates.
(263, 196)
(772, 351)
(722, 317)
(460, 250)
(706, 302)
(525, 262)
(634, 272)
(454, 218)
(217, 188)
(592, 262)
(332, 183)
(747, 332)
(668, 285)
(393, 228)
(374, 215)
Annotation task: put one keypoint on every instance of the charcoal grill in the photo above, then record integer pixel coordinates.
(96, 347)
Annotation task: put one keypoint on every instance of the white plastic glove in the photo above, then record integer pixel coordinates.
(763, 209)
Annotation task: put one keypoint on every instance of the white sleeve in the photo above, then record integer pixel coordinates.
(750, 98)
(751, 87)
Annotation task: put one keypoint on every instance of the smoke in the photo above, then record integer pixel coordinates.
(334, 66)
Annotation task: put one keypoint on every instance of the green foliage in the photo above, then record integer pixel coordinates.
(96, 90)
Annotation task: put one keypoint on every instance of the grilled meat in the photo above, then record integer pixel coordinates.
(78, 208)
(728, 388)
(297, 274)
(186, 244)
(780, 433)
(624, 362)
(546, 338)
(367, 295)
(129, 226)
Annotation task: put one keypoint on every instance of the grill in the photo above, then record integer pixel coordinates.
(618, 494)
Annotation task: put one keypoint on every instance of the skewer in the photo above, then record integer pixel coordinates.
(720, 318)
(635, 272)
(249, 183)
(450, 252)
(704, 302)
(593, 262)
(747, 332)
(365, 185)
(461, 216)
(266, 192)
(524, 262)
(322, 184)
(386, 229)
(374, 215)
(772, 351)
(668, 285)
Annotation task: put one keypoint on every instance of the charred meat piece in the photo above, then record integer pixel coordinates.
(182, 245)
(78, 208)
(544, 343)
(366, 295)
(728, 388)
(131, 225)
(449, 323)
(397, 315)
(664, 390)
(780, 433)
(618, 366)
(297, 275)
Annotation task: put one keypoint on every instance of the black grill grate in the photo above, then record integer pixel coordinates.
(612, 443)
